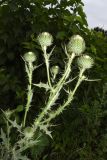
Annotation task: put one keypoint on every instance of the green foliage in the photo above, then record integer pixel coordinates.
(81, 131)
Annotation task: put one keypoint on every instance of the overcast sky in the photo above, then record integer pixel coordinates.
(96, 11)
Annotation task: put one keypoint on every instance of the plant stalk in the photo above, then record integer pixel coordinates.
(69, 100)
(54, 95)
(30, 92)
(46, 57)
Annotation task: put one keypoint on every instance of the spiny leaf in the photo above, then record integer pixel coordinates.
(45, 129)
(42, 85)
(15, 125)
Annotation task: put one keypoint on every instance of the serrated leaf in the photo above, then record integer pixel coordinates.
(79, 19)
(15, 125)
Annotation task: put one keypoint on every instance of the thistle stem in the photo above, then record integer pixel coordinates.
(47, 66)
(69, 100)
(29, 70)
(54, 95)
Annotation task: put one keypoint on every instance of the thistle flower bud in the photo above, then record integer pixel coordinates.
(29, 57)
(28, 132)
(54, 70)
(76, 45)
(45, 39)
(85, 62)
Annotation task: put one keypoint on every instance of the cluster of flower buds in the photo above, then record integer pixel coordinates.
(75, 45)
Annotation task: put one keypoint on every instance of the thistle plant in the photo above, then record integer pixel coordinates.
(29, 134)
(76, 44)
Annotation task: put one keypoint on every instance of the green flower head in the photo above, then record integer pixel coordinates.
(45, 39)
(85, 62)
(76, 45)
(55, 70)
(29, 57)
